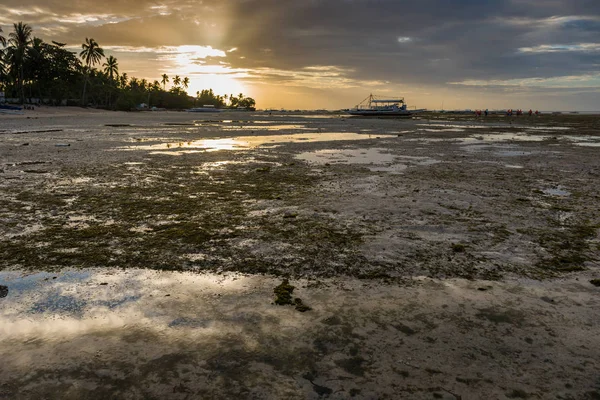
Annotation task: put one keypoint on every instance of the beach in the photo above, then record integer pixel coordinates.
(443, 256)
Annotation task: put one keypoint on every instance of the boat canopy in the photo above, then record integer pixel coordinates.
(388, 101)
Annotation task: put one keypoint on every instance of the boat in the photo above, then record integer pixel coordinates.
(10, 108)
(206, 108)
(373, 106)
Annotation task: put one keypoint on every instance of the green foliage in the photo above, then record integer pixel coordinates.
(207, 97)
(33, 70)
(242, 102)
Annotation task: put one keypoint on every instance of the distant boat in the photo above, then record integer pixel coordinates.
(375, 107)
(205, 109)
(7, 107)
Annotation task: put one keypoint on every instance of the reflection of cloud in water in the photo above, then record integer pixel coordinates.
(59, 304)
(377, 159)
(497, 150)
(249, 142)
(129, 337)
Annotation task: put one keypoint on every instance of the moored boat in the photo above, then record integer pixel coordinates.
(11, 108)
(205, 108)
(375, 107)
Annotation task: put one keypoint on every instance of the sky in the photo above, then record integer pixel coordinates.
(311, 54)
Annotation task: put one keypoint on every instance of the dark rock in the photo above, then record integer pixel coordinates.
(458, 248)
(407, 330)
(518, 394)
(321, 390)
(283, 293)
(301, 306)
(548, 299)
(3, 291)
(595, 282)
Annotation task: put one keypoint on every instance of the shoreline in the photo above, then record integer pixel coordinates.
(439, 256)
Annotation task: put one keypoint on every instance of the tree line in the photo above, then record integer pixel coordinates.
(33, 69)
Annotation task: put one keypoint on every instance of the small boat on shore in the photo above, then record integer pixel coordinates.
(205, 109)
(10, 108)
(375, 107)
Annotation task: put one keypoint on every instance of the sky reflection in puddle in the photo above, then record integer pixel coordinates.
(377, 159)
(503, 137)
(497, 150)
(557, 191)
(249, 142)
(47, 306)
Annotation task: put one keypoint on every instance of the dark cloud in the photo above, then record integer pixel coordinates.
(426, 42)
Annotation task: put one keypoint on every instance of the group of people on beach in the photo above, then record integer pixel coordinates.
(509, 112)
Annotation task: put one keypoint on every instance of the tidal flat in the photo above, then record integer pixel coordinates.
(441, 257)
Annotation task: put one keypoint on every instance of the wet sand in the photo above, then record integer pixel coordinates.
(442, 256)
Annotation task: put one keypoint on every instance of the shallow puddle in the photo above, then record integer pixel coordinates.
(557, 191)
(249, 142)
(150, 334)
(503, 137)
(267, 127)
(348, 156)
(496, 150)
(46, 306)
(377, 159)
(461, 127)
(588, 144)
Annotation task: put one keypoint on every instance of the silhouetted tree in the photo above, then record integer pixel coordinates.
(18, 42)
(111, 67)
(92, 53)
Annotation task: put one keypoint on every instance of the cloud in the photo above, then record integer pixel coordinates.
(561, 48)
(589, 81)
(359, 44)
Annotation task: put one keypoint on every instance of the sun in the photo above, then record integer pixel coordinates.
(207, 69)
(223, 84)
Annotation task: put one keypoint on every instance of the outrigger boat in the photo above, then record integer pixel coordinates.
(205, 109)
(375, 107)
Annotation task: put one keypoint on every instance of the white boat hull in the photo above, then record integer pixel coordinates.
(381, 113)
(205, 110)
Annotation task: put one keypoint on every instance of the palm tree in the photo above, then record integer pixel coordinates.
(186, 82)
(2, 69)
(3, 74)
(165, 80)
(34, 64)
(111, 67)
(176, 80)
(143, 84)
(123, 80)
(134, 83)
(92, 53)
(19, 41)
(2, 38)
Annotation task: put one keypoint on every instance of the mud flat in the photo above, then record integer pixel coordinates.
(441, 257)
